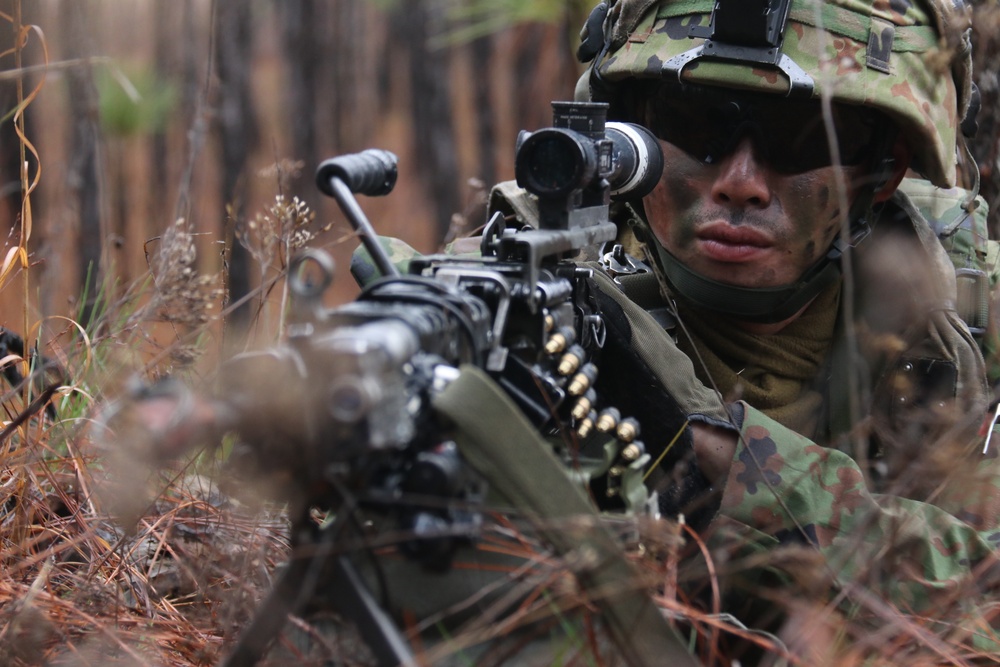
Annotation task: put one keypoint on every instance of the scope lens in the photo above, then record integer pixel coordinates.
(552, 163)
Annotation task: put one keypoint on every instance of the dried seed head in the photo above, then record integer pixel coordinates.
(181, 295)
(284, 225)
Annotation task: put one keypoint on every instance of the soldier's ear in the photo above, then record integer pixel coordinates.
(902, 154)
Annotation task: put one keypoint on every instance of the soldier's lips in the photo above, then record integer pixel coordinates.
(725, 243)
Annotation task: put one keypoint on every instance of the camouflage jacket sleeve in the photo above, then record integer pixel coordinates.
(911, 553)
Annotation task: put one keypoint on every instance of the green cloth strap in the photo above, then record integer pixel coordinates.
(502, 445)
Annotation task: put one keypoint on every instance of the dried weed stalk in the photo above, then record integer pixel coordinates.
(182, 296)
(282, 228)
(275, 234)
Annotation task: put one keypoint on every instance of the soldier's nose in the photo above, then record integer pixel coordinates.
(742, 179)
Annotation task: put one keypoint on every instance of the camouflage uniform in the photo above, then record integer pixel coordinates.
(922, 547)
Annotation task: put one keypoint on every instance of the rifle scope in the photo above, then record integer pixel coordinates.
(582, 151)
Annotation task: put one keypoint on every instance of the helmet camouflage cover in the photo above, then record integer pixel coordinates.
(909, 59)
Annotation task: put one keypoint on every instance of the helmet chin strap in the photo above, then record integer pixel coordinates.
(766, 305)
(752, 304)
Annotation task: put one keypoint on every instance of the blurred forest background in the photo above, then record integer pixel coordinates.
(148, 111)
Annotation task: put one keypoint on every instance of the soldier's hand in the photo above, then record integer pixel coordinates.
(176, 427)
(164, 420)
(714, 449)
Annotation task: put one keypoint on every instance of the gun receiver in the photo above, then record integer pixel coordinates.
(362, 378)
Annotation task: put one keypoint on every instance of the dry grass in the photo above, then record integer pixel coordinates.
(114, 556)
(79, 590)
(111, 557)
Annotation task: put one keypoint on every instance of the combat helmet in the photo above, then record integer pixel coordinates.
(907, 59)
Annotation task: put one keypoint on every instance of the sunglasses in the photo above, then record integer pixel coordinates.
(790, 135)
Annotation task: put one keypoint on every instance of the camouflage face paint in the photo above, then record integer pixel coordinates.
(739, 222)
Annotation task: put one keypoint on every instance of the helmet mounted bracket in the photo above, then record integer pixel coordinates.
(745, 31)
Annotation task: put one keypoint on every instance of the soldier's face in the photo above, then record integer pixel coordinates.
(740, 222)
(750, 194)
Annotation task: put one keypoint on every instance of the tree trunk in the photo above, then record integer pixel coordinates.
(303, 36)
(165, 64)
(237, 127)
(356, 72)
(416, 22)
(192, 115)
(83, 169)
(486, 124)
(542, 81)
(10, 146)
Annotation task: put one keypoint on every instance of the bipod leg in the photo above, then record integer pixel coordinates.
(353, 600)
(349, 596)
(271, 616)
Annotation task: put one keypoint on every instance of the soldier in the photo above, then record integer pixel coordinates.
(807, 146)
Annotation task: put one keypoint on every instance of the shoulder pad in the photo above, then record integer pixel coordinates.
(514, 202)
(363, 267)
(959, 221)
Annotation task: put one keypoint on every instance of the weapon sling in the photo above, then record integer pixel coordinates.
(508, 451)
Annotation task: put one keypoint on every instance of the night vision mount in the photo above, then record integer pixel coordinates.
(745, 31)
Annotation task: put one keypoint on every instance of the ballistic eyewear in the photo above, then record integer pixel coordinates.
(790, 135)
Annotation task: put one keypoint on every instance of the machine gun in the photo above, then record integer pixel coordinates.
(374, 394)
